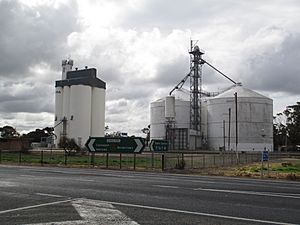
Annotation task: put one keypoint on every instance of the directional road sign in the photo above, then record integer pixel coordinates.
(159, 145)
(115, 144)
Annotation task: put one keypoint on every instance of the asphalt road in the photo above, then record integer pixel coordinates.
(42, 195)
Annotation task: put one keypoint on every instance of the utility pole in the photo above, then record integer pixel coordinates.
(236, 127)
(229, 124)
(224, 136)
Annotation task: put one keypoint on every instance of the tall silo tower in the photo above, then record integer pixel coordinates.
(79, 104)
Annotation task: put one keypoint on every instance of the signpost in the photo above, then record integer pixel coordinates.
(115, 144)
(159, 145)
(264, 158)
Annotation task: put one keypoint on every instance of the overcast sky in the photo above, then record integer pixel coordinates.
(140, 49)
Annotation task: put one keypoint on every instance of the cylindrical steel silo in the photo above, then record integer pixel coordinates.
(158, 117)
(254, 120)
(157, 120)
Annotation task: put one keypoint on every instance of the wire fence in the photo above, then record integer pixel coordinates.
(144, 161)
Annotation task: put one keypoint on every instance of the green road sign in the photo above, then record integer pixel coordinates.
(159, 145)
(115, 144)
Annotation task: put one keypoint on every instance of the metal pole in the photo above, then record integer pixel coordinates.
(106, 160)
(229, 121)
(120, 160)
(236, 127)
(42, 157)
(152, 160)
(66, 158)
(20, 156)
(224, 137)
(134, 161)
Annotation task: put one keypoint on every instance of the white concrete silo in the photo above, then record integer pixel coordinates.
(80, 113)
(98, 112)
(58, 111)
(254, 120)
(79, 105)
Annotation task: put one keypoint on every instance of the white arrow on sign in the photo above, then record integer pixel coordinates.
(91, 145)
(151, 145)
(139, 145)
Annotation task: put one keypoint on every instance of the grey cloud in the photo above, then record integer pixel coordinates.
(276, 70)
(33, 35)
(170, 14)
(26, 97)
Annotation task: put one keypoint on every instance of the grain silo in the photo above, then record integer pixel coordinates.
(79, 104)
(253, 120)
(236, 119)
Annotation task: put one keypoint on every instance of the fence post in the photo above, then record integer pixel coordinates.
(93, 159)
(107, 160)
(223, 159)
(42, 157)
(203, 160)
(120, 160)
(192, 161)
(152, 160)
(134, 161)
(214, 159)
(66, 158)
(20, 156)
(162, 162)
(0, 156)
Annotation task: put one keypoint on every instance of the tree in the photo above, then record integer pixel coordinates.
(279, 131)
(146, 130)
(9, 132)
(292, 114)
(39, 133)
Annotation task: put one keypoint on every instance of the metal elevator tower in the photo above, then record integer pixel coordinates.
(195, 87)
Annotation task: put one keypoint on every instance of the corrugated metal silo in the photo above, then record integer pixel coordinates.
(254, 120)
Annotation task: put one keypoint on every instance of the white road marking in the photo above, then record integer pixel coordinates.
(50, 195)
(8, 184)
(165, 186)
(270, 194)
(199, 213)
(101, 213)
(28, 176)
(84, 180)
(96, 213)
(34, 206)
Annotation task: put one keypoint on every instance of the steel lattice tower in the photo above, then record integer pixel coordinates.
(195, 87)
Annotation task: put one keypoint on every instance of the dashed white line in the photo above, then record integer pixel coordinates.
(165, 186)
(84, 180)
(270, 194)
(50, 195)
